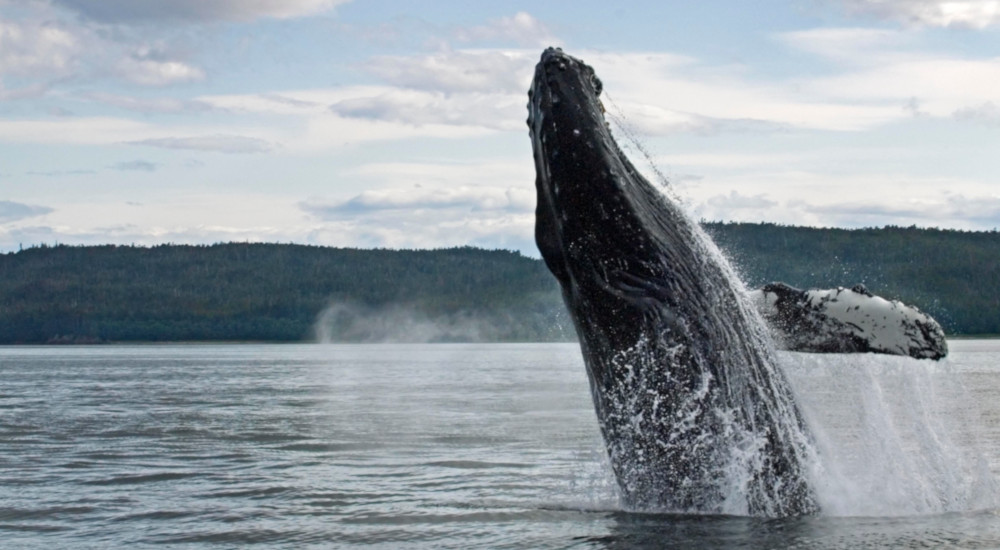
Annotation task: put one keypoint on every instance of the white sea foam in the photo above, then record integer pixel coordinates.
(895, 435)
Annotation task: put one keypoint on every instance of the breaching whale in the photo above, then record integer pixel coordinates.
(694, 413)
(848, 320)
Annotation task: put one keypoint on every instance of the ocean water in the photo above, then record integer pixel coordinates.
(453, 446)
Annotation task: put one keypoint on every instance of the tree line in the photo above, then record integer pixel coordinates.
(952, 275)
(278, 292)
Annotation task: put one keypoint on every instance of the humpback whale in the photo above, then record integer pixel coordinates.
(843, 320)
(695, 415)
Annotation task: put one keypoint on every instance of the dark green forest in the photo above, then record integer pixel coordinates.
(953, 275)
(287, 292)
(271, 292)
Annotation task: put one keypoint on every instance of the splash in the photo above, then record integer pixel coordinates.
(402, 322)
(352, 322)
(895, 435)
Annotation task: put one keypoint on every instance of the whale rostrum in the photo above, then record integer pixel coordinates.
(695, 414)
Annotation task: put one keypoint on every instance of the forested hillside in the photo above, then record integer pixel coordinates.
(953, 275)
(293, 292)
(272, 292)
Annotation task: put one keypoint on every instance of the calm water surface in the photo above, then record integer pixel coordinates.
(450, 446)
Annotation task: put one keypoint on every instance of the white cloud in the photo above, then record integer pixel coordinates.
(658, 94)
(975, 14)
(131, 11)
(977, 212)
(521, 28)
(986, 113)
(488, 71)
(488, 110)
(174, 217)
(736, 206)
(36, 48)
(330, 131)
(135, 165)
(114, 131)
(146, 105)
(724, 159)
(45, 47)
(218, 143)
(463, 198)
(14, 211)
(210, 218)
(151, 72)
(662, 94)
(496, 174)
(737, 201)
(321, 119)
(881, 70)
(60, 173)
(304, 103)
(856, 46)
(428, 229)
(845, 197)
(74, 130)
(432, 215)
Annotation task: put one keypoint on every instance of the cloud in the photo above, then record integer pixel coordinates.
(882, 69)
(42, 45)
(414, 107)
(292, 103)
(219, 143)
(986, 113)
(162, 105)
(428, 230)
(457, 71)
(156, 11)
(735, 206)
(656, 94)
(181, 218)
(925, 208)
(152, 72)
(974, 14)
(465, 198)
(664, 94)
(24, 92)
(520, 28)
(852, 45)
(737, 201)
(135, 165)
(494, 175)
(420, 217)
(15, 211)
(75, 130)
(60, 173)
(30, 48)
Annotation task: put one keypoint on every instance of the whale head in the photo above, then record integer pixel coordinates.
(617, 246)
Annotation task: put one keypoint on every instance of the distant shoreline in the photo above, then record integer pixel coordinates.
(196, 343)
(271, 293)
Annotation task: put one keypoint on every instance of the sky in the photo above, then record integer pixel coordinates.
(401, 124)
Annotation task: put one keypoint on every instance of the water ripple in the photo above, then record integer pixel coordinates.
(335, 446)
